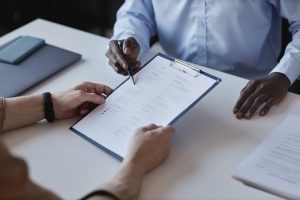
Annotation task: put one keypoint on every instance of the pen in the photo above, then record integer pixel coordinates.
(131, 75)
(129, 68)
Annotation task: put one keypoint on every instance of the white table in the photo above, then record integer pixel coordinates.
(210, 142)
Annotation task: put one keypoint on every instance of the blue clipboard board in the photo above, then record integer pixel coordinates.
(118, 157)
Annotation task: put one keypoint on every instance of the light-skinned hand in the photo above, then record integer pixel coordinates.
(79, 100)
(149, 146)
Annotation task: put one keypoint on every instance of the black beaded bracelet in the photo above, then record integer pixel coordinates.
(101, 193)
(48, 107)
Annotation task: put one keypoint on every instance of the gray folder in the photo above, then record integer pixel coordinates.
(45, 62)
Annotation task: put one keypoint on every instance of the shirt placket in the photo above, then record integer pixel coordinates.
(200, 35)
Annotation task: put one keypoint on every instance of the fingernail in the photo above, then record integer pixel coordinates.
(127, 51)
(84, 111)
(101, 100)
(248, 115)
(239, 115)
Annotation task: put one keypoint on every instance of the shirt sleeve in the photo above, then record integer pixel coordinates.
(290, 62)
(136, 19)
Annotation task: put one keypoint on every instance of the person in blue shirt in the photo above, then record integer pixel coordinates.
(242, 38)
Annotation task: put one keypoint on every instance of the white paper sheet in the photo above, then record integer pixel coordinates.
(163, 91)
(275, 165)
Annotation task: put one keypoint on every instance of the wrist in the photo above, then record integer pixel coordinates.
(127, 182)
(132, 166)
(282, 77)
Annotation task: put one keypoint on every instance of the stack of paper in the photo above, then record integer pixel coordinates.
(275, 165)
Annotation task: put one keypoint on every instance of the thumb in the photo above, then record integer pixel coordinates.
(168, 131)
(131, 48)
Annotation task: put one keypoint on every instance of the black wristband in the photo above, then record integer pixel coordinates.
(102, 193)
(48, 107)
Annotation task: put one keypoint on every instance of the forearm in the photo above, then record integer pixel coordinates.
(23, 111)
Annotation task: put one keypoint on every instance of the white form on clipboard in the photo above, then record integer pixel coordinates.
(165, 89)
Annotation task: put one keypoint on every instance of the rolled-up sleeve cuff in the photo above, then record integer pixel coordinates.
(290, 66)
(144, 45)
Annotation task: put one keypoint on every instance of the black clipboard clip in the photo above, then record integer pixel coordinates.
(193, 71)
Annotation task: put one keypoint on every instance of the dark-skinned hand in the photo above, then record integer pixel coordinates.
(261, 94)
(123, 54)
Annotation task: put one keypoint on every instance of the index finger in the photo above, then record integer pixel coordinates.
(94, 88)
(149, 127)
(118, 53)
(245, 93)
(102, 89)
(130, 48)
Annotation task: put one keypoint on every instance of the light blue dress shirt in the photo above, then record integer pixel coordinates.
(241, 37)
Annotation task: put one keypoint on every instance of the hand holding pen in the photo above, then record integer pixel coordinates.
(123, 54)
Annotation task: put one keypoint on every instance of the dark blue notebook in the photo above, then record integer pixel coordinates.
(38, 66)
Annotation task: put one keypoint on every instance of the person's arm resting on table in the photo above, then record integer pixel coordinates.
(148, 148)
(26, 110)
(272, 89)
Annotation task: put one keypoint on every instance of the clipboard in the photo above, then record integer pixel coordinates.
(87, 127)
(198, 71)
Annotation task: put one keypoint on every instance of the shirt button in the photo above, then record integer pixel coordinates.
(195, 38)
(201, 23)
(194, 18)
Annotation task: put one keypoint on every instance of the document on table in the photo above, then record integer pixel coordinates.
(165, 89)
(275, 165)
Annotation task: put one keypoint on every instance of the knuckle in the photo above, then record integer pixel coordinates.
(86, 83)
(115, 63)
(133, 40)
(118, 57)
(140, 129)
(143, 129)
(244, 90)
(171, 128)
(261, 86)
(152, 125)
(260, 99)
(119, 70)
(79, 93)
(251, 82)
(270, 103)
(250, 100)
(112, 65)
(112, 42)
(107, 53)
(115, 57)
